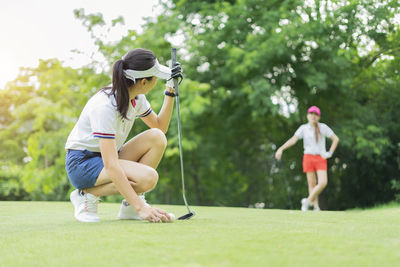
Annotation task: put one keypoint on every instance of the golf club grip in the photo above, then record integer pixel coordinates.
(173, 59)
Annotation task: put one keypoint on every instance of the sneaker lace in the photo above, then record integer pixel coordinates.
(92, 204)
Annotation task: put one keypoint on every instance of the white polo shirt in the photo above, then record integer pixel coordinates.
(307, 132)
(101, 119)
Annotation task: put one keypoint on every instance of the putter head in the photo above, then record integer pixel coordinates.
(187, 216)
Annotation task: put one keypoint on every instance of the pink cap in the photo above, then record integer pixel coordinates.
(314, 109)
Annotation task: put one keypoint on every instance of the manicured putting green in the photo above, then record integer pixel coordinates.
(46, 234)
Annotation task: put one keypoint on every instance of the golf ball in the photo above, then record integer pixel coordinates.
(172, 216)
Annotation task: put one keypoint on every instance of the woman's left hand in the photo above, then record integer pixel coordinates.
(176, 73)
(326, 155)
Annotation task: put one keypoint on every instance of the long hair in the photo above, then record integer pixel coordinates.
(137, 59)
(317, 132)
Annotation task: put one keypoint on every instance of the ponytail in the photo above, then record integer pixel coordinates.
(120, 86)
(317, 132)
(137, 59)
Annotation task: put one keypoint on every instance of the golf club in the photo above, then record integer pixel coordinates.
(280, 168)
(190, 213)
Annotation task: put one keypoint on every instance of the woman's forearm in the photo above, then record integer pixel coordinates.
(164, 117)
(123, 186)
(292, 141)
(335, 142)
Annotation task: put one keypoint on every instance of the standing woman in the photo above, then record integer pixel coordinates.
(315, 155)
(99, 162)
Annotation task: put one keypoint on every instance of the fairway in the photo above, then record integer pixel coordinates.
(46, 234)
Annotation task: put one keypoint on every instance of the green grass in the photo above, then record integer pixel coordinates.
(46, 234)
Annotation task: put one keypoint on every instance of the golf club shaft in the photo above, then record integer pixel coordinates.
(281, 166)
(173, 58)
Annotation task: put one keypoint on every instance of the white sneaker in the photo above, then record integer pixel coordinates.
(305, 204)
(317, 209)
(85, 206)
(127, 212)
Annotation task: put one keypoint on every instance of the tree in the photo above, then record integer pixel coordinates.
(39, 109)
(270, 61)
(252, 68)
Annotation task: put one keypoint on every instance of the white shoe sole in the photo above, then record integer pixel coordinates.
(122, 215)
(87, 220)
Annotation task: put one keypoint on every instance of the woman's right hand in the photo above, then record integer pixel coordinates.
(278, 154)
(153, 214)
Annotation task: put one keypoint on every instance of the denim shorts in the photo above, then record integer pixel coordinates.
(83, 167)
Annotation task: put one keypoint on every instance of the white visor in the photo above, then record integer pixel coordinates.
(158, 70)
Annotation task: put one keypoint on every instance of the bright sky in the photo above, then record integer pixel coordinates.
(41, 29)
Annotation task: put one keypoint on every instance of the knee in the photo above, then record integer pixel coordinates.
(147, 182)
(323, 184)
(158, 137)
(151, 180)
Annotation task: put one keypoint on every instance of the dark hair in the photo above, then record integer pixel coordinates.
(137, 59)
(317, 132)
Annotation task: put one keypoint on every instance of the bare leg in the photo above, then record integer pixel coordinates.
(105, 189)
(147, 148)
(141, 177)
(138, 158)
(312, 181)
(322, 182)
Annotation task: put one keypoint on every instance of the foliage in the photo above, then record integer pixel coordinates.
(275, 59)
(45, 103)
(252, 68)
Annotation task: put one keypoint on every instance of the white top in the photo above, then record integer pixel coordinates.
(101, 119)
(307, 132)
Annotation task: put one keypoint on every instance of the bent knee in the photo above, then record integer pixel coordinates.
(158, 137)
(151, 180)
